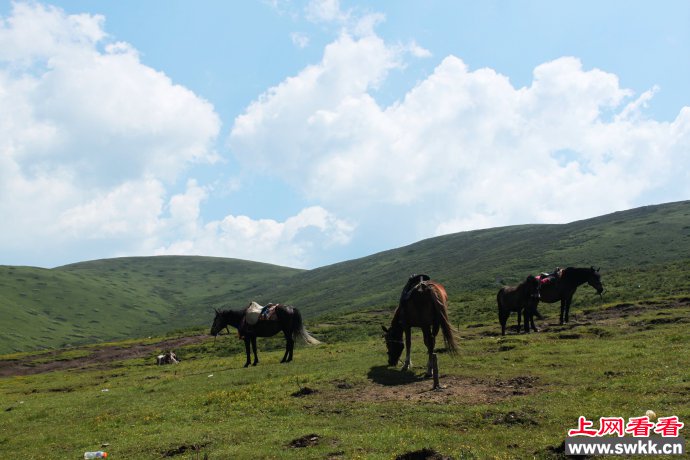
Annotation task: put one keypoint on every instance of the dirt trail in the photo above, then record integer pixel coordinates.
(98, 356)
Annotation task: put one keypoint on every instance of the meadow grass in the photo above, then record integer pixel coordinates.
(505, 397)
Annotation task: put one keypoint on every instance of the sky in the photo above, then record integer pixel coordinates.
(304, 133)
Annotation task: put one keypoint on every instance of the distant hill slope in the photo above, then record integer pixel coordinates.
(121, 298)
(474, 261)
(639, 251)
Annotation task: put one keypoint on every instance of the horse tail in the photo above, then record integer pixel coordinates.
(299, 329)
(441, 305)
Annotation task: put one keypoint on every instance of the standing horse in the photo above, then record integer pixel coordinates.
(424, 306)
(288, 320)
(564, 286)
(524, 296)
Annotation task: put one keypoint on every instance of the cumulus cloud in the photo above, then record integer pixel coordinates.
(88, 134)
(293, 242)
(92, 142)
(465, 147)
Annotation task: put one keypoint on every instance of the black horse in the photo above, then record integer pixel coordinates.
(523, 297)
(563, 286)
(425, 306)
(287, 319)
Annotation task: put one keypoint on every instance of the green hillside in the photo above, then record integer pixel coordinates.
(120, 298)
(642, 253)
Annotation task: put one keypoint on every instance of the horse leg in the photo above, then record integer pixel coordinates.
(408, 349)
(246, 348)
(519, 312)
(290, 347)
(503, 319)
(533, 314)
(562, 311)
(256, 357)
(430, 343)
(287, 346)
(528, 318)
(567, 307)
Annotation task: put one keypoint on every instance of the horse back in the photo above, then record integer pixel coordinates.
(439, 291)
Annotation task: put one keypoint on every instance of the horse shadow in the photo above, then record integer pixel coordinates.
(392, 376)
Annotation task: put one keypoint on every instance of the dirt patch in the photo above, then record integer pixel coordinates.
(511, 418)
(606, 316)
(307, 440)
(343, 384)
(182, 450)
(424, 454)
(305, 391)
(454, 389)
(99, 357)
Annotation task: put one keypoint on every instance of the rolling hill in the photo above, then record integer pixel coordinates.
(633, 248)
(641, 252)
(121, 298)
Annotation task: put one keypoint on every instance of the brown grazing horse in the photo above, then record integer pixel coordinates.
(524, 296)
(424, 306)
(564, 286)
(288, 320)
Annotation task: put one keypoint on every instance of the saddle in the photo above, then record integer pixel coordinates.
(256, 313)
(413, 282)
(549, 278)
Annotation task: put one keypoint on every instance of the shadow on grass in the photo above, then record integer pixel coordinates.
(391, 376)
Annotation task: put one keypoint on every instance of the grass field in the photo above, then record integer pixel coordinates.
(504, 397)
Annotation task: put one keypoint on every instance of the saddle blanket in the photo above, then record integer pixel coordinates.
(256, 313)
(548, 278)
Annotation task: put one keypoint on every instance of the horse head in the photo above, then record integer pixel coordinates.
(394, 343)
(594, 280)
(532, 284)
(218, 323)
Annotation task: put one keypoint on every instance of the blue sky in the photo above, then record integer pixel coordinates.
(306, 133)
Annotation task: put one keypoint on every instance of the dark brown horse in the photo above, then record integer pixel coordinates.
(563, 287)
(287, 319)
(523, 297)
(424, 306)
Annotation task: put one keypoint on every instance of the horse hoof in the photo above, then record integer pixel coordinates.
(254, 364)
(246, 365)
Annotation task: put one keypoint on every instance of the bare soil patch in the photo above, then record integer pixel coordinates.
(99, 357)
(307, 440)
(423, 454)
(454, 389)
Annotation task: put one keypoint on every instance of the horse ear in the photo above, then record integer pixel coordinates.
(598, 269)
(385, 329)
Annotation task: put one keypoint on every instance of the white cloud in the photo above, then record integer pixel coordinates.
(92, 141)
(468, 148)
(300, 40)
(325, 11)
(293, 242)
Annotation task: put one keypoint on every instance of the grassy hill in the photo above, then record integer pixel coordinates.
(120, 298)
(642, 252)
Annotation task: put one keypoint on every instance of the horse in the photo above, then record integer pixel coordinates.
(564, 286)
(424, 306)
(287, 319)
(524, 296)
